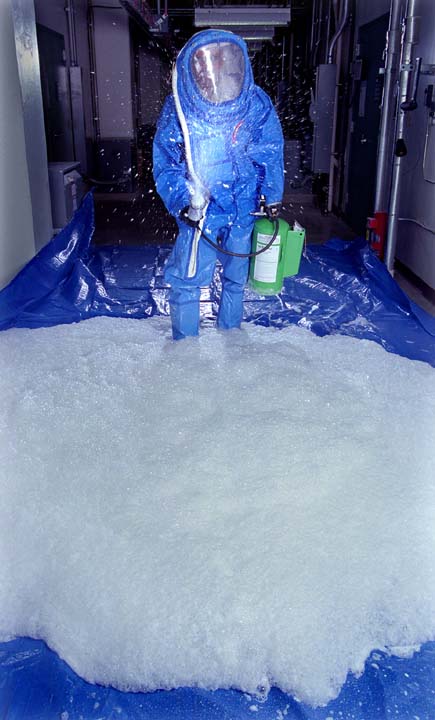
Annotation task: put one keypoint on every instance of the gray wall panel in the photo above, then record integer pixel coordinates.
(17, 243)
(416, 246)
(33, 116)
(113, 71)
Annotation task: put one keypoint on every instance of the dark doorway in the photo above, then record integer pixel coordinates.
(366, 115)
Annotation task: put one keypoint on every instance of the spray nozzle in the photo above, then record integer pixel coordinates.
(261, 212)
(199, 195)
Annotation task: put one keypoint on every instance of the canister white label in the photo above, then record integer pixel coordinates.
(266, 264)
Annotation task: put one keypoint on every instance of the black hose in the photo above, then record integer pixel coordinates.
(218, 247)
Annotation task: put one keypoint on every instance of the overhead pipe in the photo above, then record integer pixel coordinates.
(282, 57)
(337, 36)
(93, 71)
(313, 25)
(339, 32)
(291, 56)
(318, 32)
(409, 37)
(328, 26)
(386, 132)
(72, 37)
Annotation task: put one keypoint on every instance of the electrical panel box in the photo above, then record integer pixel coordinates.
(67, 189)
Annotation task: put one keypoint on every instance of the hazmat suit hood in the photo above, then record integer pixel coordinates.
(213, 76)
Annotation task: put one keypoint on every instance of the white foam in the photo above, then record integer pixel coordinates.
(246, 509)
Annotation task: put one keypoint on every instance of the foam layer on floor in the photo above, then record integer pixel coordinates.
(244, 510)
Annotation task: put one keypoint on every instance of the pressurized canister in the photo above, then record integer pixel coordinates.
(281, 260)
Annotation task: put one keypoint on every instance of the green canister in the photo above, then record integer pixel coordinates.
(268, 270)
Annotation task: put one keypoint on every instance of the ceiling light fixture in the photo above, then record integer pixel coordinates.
(231, 15)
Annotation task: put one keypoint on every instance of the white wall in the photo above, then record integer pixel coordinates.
(415, 243)
(113, 72)
(17, 242)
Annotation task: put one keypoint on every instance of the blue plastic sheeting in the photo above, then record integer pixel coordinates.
(342, 287)
(36, 685)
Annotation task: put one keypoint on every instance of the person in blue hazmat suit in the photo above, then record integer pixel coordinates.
(218, 147)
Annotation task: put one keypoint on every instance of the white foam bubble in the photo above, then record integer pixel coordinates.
(246, 509)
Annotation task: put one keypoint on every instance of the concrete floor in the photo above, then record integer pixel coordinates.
(319, 228)
(141, 219)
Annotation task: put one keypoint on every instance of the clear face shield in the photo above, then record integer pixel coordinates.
(219, 70)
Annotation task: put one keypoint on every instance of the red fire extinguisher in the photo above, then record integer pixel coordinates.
(377, 232)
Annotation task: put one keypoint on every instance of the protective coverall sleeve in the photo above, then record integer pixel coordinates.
(169, 163)
(268, 150)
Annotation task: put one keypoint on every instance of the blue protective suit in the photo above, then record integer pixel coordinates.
(236, 148)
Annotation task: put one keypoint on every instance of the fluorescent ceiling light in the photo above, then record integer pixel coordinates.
(241, 15)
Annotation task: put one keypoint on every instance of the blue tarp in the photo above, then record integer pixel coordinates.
(36, 685)
(342, 288)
